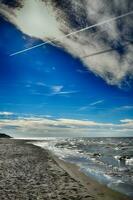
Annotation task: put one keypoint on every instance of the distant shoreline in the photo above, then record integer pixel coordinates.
(3, 135)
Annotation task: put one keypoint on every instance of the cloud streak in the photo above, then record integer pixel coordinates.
(59, 90)
(56, 89)
(91, 104)
(96, 102)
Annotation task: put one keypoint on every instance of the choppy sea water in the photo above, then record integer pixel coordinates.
(107, 160)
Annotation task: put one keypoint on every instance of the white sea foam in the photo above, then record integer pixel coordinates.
(105, 169)
(117, 157)
(129, 161)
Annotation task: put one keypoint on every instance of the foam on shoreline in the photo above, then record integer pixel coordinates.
(100, 191)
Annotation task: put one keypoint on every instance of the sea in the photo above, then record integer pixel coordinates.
(106, 160)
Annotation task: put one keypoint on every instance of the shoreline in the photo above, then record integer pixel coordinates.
(31, 172)
(101, 191)
(98, 190)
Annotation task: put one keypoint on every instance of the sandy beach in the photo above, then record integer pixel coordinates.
(28, 172)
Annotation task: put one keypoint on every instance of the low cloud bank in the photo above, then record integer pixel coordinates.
(48, 126)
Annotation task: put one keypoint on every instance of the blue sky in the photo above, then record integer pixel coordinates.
(48, 83)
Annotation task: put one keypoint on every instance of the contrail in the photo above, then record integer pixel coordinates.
(104, 51)
(72, 33)
(99, 52)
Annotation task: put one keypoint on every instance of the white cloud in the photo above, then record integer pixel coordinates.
(34, 19)
(6, 113)
(56, 89)
(64, 127)
(126, 120)
(127, 123)
(47, 20)
(84, 123)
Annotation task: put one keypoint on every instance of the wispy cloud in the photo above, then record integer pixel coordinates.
(67, 92)
(84, 108)
(126, 107)
(91, 104)
(96, 102)
(56, 89)
(53, 90)
(59, 90)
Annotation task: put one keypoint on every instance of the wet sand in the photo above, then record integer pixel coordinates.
(28, 172)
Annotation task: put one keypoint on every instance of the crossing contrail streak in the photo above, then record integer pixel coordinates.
(72, 33)
(104, 51)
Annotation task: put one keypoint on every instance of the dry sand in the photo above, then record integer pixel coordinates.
(28, 172)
